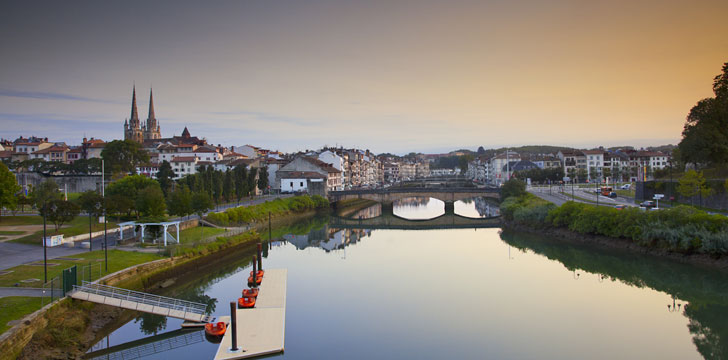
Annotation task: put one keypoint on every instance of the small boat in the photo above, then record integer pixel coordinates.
(258, 280)
(250, 293)
(246, 302)
(260, 273)
(215, 329)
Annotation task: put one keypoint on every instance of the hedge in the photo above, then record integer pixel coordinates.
(247, 214)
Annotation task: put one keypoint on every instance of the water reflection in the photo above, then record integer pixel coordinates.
(479, 207)
(419, 208)
(546, 299)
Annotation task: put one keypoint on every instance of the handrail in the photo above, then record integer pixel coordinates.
(142, 298)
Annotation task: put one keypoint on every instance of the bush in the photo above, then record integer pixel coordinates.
(240, 215)
(682, 228)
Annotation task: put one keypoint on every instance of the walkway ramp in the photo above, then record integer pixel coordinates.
(261, 330)
(149, 346)
(139, 301)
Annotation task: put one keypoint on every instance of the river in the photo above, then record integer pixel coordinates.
(460, 294)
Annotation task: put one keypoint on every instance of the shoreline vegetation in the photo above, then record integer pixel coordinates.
(683, 233)
(49, 335)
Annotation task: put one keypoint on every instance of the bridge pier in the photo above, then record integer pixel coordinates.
(449, 208)
(387, 208)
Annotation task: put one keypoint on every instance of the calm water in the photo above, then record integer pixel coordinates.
(463, 294)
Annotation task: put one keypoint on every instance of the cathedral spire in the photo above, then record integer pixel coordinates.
(134, 115)
(151, 111)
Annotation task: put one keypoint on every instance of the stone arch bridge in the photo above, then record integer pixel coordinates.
(388, 196)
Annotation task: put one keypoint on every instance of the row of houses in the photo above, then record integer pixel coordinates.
(622, 164)
(22, 149)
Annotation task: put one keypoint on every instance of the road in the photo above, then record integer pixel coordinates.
(558, 196)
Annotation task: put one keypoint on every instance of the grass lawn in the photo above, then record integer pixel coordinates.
(77, 226)
(118, 260)
(20, 220)
(195, 234)
(16, 307)
(12, 232)
(625, 193)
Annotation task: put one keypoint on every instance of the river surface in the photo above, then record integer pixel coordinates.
(460, 294)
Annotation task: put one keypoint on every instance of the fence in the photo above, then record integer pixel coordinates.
(90, 272)
(52, 290)
(62, 284)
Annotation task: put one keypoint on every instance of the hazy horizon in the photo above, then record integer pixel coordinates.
(382, 75)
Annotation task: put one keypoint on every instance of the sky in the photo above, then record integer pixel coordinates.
(389, 76)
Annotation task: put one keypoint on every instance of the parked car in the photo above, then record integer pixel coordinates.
(625, 186)
(647, 204)
(620, 207)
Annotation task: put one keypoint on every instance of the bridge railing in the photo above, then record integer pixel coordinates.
(142, 298)
(415, 189)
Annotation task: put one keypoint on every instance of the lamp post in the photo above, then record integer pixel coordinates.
(103, 196)
(45, 257)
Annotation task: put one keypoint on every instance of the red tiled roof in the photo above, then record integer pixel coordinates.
(184, 159)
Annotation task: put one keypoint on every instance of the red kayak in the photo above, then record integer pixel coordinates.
(215, 329)
(246, 302)
(250, 293)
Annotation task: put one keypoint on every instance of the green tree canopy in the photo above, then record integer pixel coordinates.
(150, 202)
(126, 191)
(9, 189)
(180, 201)
(43, 194)
(61, 211)
(263, 178)
(512, 187)
(123, 156)
(705, 134)
(165, 176)
(91, 202)
(201, 202)
(692, 184)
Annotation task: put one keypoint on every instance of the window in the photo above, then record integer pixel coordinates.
(301, 183)
(291, 184)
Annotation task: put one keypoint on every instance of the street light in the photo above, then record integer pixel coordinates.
(45, 257)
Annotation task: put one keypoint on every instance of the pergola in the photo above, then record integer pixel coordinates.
(165, 224)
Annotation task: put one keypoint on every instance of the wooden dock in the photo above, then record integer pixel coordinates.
(261, 330)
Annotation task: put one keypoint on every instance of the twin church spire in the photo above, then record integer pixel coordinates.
(134, 129)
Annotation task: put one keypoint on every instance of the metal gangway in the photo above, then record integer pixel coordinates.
(139, 301)
(156, 344)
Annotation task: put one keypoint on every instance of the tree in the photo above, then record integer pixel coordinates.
(228, 186)
(240, 175)
(61, 211)
(165, 176)
(9, 189)
(180, 201)
(250, 182)
(263, 179)
(92, 202)
(150, 202)
(200, 204)
(481, 150)
(43, 194)
(512, 187)
(693, 183)
(123, 156)
(705, 134)
(129, 187)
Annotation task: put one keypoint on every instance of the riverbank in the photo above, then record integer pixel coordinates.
(47, 334)
(682, 233)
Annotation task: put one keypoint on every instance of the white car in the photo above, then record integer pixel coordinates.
(626, 186)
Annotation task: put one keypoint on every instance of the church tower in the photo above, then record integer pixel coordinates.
(151, 128)
(132, 126)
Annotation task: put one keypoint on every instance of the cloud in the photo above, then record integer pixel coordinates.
(51, 96)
